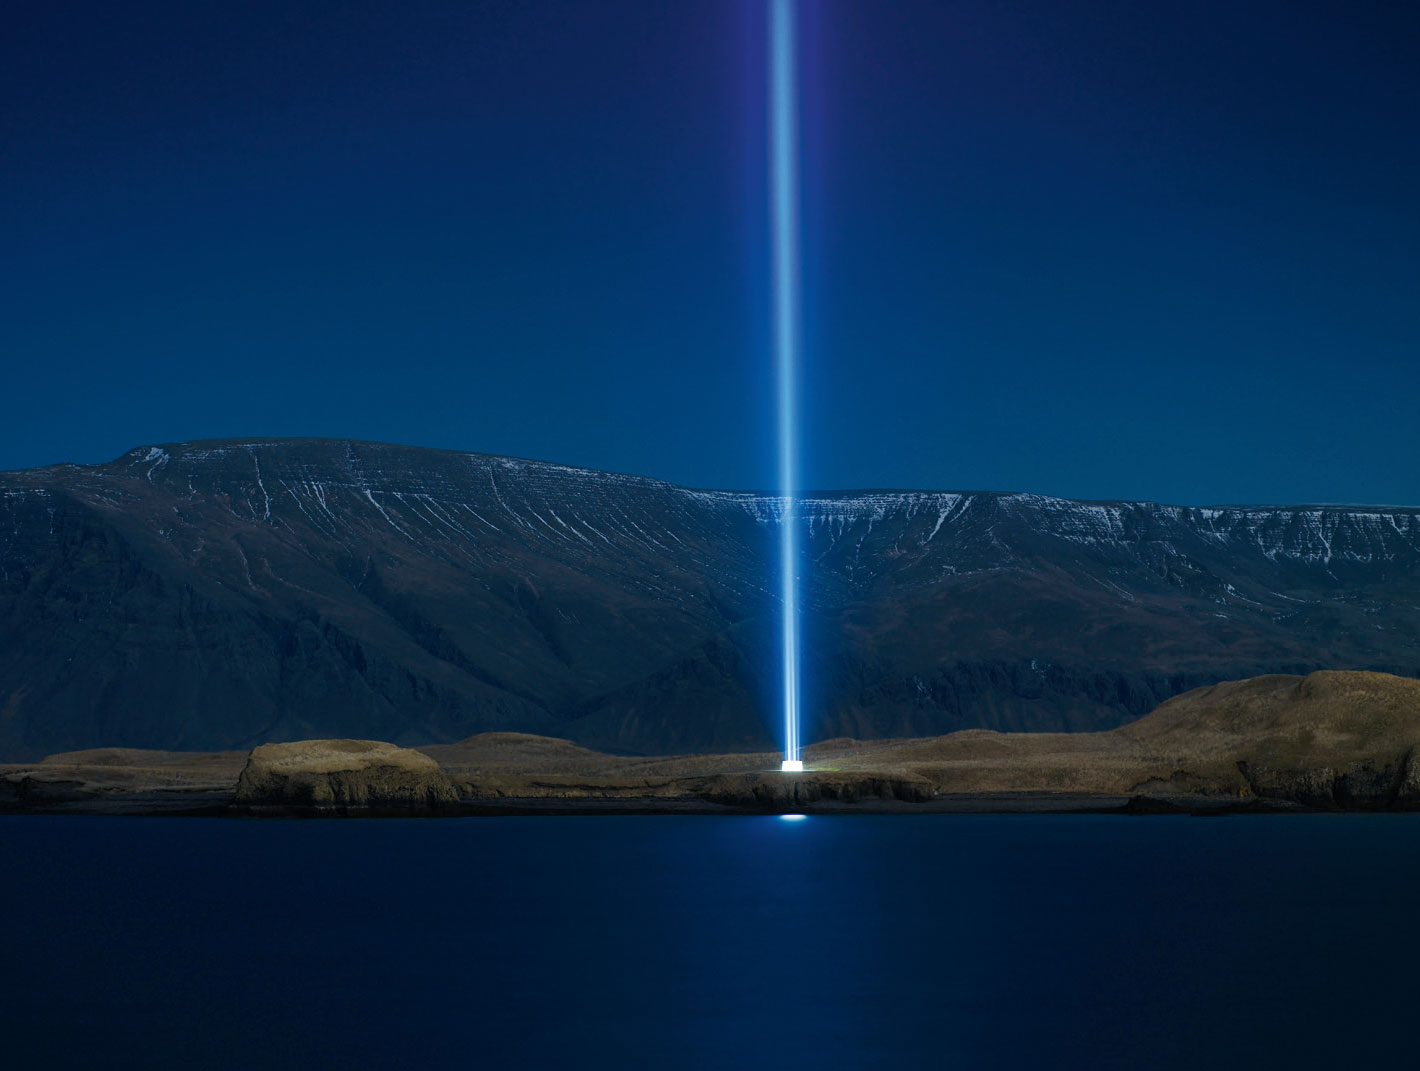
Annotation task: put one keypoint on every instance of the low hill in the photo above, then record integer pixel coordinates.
(1329, 738)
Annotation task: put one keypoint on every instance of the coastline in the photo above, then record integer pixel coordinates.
(223, 805)
(1331, 742)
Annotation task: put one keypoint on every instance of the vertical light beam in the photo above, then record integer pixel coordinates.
(784, 212)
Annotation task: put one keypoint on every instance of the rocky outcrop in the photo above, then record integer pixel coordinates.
(1363, 786)
(29, 789)
(1407, 792)
(343, 773)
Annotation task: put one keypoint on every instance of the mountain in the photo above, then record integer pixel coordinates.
(216, 595)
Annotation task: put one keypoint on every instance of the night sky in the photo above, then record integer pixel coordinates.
(1099, 249)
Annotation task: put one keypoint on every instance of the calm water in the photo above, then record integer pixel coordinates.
(950, 941)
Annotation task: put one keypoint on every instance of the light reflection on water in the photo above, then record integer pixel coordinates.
(656, 941)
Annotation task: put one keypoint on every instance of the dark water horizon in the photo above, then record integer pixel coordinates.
(691, 941)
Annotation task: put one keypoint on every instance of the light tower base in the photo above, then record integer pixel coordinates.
(791, 766)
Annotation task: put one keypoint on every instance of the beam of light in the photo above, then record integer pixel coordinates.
(784, 213)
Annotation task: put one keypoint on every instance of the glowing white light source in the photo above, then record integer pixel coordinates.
(793, 817)
(791, 766)
(784, 210)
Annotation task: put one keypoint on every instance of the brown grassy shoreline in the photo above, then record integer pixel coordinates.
(1329, 741)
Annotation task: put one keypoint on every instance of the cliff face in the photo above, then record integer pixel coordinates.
(225, 594)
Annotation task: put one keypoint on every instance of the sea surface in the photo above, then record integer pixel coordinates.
(942, 941)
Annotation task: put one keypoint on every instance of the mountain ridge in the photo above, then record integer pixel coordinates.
(222, 593)
(240, 442)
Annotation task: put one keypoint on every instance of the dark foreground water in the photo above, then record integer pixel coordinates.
(942, 941)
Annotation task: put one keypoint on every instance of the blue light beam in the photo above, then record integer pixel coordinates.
(784, 212)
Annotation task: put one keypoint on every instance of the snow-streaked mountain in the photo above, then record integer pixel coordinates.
(215, 594)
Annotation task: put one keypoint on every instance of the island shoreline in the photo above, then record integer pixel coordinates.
(160, 805)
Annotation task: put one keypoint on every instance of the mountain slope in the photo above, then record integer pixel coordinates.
(222, 594)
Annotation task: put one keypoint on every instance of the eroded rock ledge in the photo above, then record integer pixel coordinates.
(343, 773)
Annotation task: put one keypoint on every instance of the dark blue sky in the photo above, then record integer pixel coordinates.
(1104, 249)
